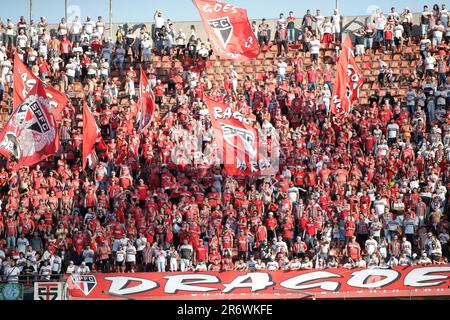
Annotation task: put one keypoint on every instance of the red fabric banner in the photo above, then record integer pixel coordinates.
(147, 101)
(228, 30)
(90, 133)
(355, 78)
(25, 81)
(320, 284)
(239, 142)
(31, 133)
(348, 81)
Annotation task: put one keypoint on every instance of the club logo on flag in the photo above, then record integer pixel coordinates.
(36, 131)
(247, 138)
(223, 29)
(85, 283)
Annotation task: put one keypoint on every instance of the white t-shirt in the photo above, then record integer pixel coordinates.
(282, 68)
(430, 62)
(131, 254)
(76, 27)
(327, 27)
(314, 46)
(147, 46)
(22, 40)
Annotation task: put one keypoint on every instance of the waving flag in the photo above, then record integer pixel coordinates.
(91, 134)
(31, 134)
(228, 29)
(243, 149)
(348, 81)
(25, 81)
(355, 78)
(147, 101)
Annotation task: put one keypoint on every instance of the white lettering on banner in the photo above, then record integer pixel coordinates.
(259, 281)
(228, 114)
(52, 103)
(382, 277)
(120, 285)
(421, 277)
(28, 84)
(301, 282)
(219, 8)
(181, 282)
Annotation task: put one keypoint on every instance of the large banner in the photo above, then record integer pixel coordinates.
(244, 150)
(319, 284)
(228, 30)
(25, 81)
(30, 134)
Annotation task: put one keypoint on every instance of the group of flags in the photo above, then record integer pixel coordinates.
(31, 133)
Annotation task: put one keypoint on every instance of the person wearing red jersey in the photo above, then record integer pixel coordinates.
(201, 253)
(243, 246)
(227, 241)
(353, 249)
(271, 224)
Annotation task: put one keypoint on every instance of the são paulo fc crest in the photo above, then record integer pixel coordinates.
(246, 137)
(30, 128)
(85, 283)
(223, 29)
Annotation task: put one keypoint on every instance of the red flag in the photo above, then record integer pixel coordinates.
(340, 103)
(30, 134)
(90, 133)
(25, 81)
(228, 30)
(238, 141)
(355, 78)
(348, 81)
(147, 101)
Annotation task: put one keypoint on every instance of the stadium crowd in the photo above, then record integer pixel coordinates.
(369, 190)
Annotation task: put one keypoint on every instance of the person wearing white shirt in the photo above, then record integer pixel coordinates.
(430, 62)
(147, 45)
(314, 47)
(336, 22)
(89, 26)
(371, 245)
(100, 25)
(11, 273)
(281, 70)
(71, 268)
(272, 264)
(83, 269)
(75, 30)
(56, 263)
(425, 20)
(438, 32)
(130, 258)
(318, 19)
(22, 40)
(22, 243)
(380, 25)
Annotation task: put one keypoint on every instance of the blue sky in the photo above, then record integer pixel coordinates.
(184, 10)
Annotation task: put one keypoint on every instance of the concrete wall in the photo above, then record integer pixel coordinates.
(349, 22)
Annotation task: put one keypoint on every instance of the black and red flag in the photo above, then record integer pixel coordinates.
(31, 133)
(228, 30)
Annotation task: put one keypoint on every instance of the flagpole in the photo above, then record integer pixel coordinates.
(110, 18)
(65, 10)
(31, 9)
